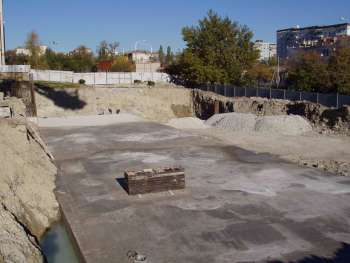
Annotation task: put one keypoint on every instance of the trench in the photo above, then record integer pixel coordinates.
(57, 246)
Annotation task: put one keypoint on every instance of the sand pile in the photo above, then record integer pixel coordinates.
(241, 122)
(287, 124)
(187, 123)
(233, 121)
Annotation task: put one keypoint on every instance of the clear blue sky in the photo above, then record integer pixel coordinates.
(74, 22)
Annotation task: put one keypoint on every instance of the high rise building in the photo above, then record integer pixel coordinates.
(2, 35)
(267, 50)
(321, 39)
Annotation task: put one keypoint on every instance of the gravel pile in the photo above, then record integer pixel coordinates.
(241, 122)
(233, 121)
(187, 123)
(284, 124)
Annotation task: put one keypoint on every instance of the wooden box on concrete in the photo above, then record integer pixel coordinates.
(155, 180)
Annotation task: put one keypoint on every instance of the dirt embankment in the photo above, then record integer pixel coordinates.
(155, 104)
(165, 102)
(27, 202)
(324, 119)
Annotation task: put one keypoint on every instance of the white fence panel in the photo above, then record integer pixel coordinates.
(99, 78)
(88, 77)
(15, 69)
(53, 75)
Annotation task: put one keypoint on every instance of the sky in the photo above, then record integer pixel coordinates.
(70, 23)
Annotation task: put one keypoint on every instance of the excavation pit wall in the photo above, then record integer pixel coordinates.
(166, 101)
(160, 103)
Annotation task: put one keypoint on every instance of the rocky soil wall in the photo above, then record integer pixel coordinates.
(27, 202)
(323, 119)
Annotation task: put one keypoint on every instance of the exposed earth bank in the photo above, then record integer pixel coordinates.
(27, 202)
(165, 102)
(324, 120)
(160, 103)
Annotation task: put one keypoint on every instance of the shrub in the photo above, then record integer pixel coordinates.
(82, 81)
(137, 81)
(151, 83)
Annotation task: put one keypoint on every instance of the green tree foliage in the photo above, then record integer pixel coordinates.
(122, 64)
(308, 72)
(13, 59)
(218, 51)
(81, 60)
(169, 58)
(260, 73)
(57, 61)
(339, 70)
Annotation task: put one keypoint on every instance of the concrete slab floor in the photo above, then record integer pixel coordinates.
(238, 206)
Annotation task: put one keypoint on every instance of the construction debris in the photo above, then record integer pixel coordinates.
(155, 180)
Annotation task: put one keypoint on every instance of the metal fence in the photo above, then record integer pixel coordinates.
(330, 100)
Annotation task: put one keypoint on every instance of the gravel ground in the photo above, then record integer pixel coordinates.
(324, 152)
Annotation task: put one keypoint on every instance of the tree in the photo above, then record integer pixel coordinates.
(339, 70)
(161, 55)
(56, 61)
(217, 51)
(103, 50)
(260, 73)
(113, 47)
(122, 64)
(107, 50)
(81, 60)
(308, 72)
(169, 56)
(36, 58)
(13, 59)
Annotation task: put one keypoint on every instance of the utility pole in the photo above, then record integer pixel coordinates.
(2, 35)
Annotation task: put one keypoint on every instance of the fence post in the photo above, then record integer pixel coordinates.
(317, 97)
(225, 90)
(284, 94)
(245, 91)
(234, 91)
(257, 91)
(299, 95)
(270, 93)
(337, 100)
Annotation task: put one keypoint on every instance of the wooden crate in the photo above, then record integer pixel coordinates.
(155, 180)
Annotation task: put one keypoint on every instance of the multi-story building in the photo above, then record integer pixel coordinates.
(321, 39)
(26, 52)
(267, 50)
